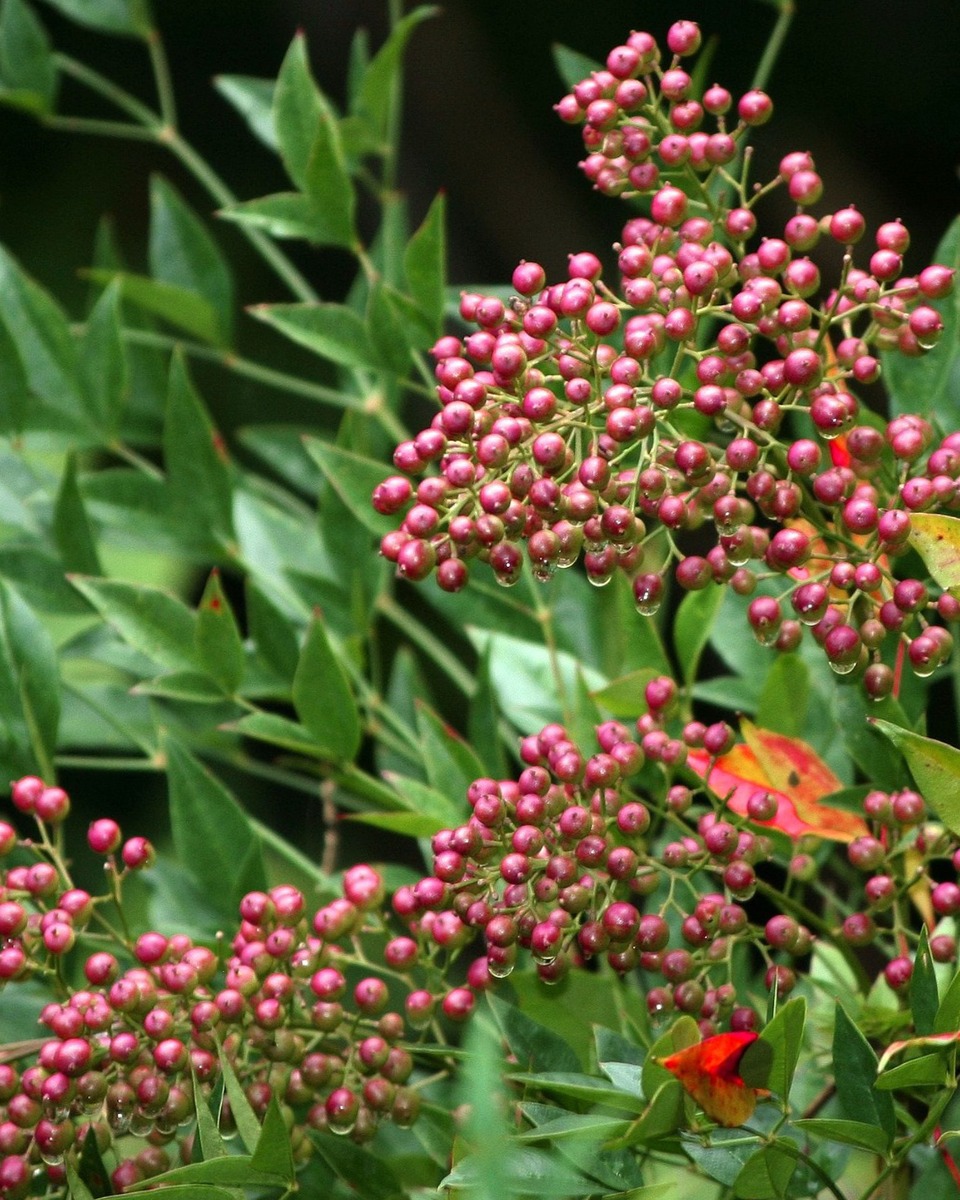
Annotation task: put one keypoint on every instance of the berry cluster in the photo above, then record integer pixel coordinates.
(138, 1019)
(623, 856)
(711, 382)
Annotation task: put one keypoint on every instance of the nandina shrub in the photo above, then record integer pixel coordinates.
(669, 888)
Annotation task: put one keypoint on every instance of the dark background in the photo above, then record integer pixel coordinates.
(871, 87)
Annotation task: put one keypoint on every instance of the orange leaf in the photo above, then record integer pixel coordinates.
(791, 772)
(710, 1072)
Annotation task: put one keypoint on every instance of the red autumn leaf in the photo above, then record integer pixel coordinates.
(791, 772)
(710, 1072)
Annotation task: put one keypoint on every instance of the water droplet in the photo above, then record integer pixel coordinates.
(545, 960)
(340, 1130)
(543, 572)
(52, 1158)
(506, 581)
(648, 608)
(599, 581)
(499, 970)
(768, 637)
(923, 669)
(842, 668)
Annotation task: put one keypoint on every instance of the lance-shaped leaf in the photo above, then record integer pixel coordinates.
(130, 18)
(791, 772)
(253, 99)
(29, 691)
(212, 834)
(28, 73)
(182, 253)
(151, 620)
(219, 645)
(711, 1072)
(936, 538)
(424, 263)
(333, 331)
(323, 698)
(934, 765)
(198, 475)
(371, 100)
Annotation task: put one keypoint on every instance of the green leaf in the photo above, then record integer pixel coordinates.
(366, 1174)
(425, 263)
(588, 1125)
(182, 253)
(353, 478)
(523, 674)
(78, 1189)
(271, 632)
(388, 329)
(855, 1072)
(374, 98)
(282, 215)
(42, 337)
(28, 72)
(624, 697)
(849, 1133)
(934, 765)
(297, 105)
(948, 1013)
(29, 691)
(333, 331)
(198, 476)
(661, 1117)
(328, 184)
(572, 66)
(39, 578)
(483, 723)
(767, 1173)
(575, 1086)
(278, 731)
(785, 695)
(180, 306)
(533, 1046)
(929, 1070)
(15, 399)
(694, 624)
(273, 1155)
(323, 698)
(426, 801)
(785, 1037)
(129, 18)
(253, 100)
(151, 620)
(924, 996)
(190, 686)
(406, 824)
(71, 528)
(450, 763)
(219, 645)
(243, 1115)
(103, 362)
(928, 384)
(212, 835)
